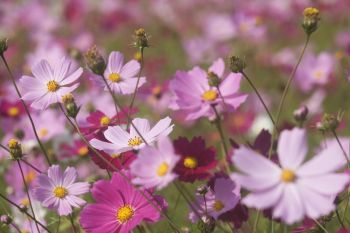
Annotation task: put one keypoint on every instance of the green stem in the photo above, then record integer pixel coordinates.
(341, 147)
(339, 219)
(27, 191)
(26, 109)
(136, 87)
(72, 223)
(255, 227)
(59, 223)
(320, 226)
(113, 97)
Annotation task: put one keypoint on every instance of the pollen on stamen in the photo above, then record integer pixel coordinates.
(52, 86)
(60, 192)
(125, 213)
(114, 77)
(210, 95)
(135, 141)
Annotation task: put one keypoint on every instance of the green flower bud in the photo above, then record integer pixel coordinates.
(3, 45)
(15, 149)
(206, 224)
(95, 61)
(237, 65)
(311, 18)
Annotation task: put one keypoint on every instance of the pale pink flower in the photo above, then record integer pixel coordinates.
(293, 190)
(49, 83)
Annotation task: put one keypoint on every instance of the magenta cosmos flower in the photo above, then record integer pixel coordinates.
(49, 83)
(122, 78)
(293, 190)
(121, 140)
(193, 95)
(59, 190)
(196, 159)
(224, 196)
(119, 207)
(160, 165)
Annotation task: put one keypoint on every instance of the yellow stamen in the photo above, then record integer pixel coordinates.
(210, 95)
(24, 202)
(25, 231)
(84, 150)
(114, 77)
(311, 12)
(124, 213)
(162, 169)
(114, 155)
(13, 143)
(52, 86)
(30, 176)
(288, 175)
(13, 111)
(136, 141)
(104, 121)
(157, 90)
(43, 132)
(318, 74)
(60, 192)
(218, 205)
(190, 162)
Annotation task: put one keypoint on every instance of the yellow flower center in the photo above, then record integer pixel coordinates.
(135, 141)
(114, 77)
(124, 213)
(13, 143)
(114, 155)
(318, 74)
(83, 151)
(29, 177)
(60, 192)
(13, 111)
(218, 205)
(25, 231)
(339, 55)
(52, 86)
(288, 175)
(311, 12)
(157, 90)
(162, 169)
(24, 202)
(210, 95)
(190, 162)
(43, 132)
(104, 121)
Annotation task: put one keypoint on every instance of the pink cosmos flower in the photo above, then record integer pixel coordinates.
(194, 96)
(224, 197)
(293, 190)
(121, 140)
(119, 207)
(49, 83)
(57, 190)
(160, 165)
(122, 78)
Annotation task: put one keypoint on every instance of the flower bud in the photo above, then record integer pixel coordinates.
(206, 224)
(311, 18)
(95, 61)
(23, 208)
(213, 79)
(19, 133)
(237, 64)
(329, 122)
(202, 190)
(300, 114)
(141, 39)
(70, 105)
(5, 219)
(15, 149)
(3, 45)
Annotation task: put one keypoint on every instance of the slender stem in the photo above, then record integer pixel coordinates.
(31, 165)
(341, 146)
(27, 191)
(137, 85)
(59, 223)
(320, 226)
(25, 212)
(76, 127)
(223, 142)
(256, 222)
(72, 223)
(285, 91)
(126, 114)
(272, 226)
(5, 148)
(26, 109)
(339, 219)
(259, 96)
(112, 94)
(16, 227)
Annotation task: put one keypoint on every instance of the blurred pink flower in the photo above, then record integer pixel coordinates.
(160, 165)
(194, 96)
(49, 83)
(294, 190)
(122, 78)
(121, 140)
(59, 190)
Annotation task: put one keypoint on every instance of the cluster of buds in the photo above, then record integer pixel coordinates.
(15, 149)
(70, 105)
(237, 65)
(3, 45)
(95, 61)
(206, 224)
(202, 190)
(141, 39)
(300, 114)
(311, 18)
(329, 123)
